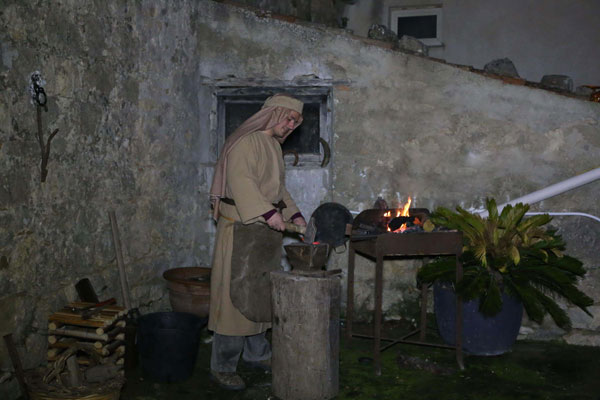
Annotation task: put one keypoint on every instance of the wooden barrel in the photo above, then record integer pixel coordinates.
(306, 335)
(189, 289)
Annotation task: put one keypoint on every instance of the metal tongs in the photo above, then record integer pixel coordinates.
(89, 311)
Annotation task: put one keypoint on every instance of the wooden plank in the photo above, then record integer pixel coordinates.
(54, 325)
(113, 329)
(83, 334)
(80, 311)
(117, 347)
(117, 325)
(76, 314)
(75, 319)
(65, 343)
(84, 304)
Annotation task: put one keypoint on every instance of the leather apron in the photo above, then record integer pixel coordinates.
(257, 252)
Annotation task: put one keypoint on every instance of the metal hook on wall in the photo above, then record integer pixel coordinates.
(295, 153)
(38, 96)
(326, 152)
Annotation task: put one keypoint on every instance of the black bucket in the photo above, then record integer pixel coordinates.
(167, 344)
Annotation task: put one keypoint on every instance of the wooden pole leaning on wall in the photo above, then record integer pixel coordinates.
(120, 263)
(16, 361)
(130, 329)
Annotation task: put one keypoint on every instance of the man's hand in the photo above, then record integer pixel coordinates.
(299, 221)
(276, 222)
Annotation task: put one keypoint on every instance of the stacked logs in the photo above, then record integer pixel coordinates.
(89, 341)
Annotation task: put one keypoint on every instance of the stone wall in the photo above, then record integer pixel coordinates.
(131, 90)
(121, 86)
(318, 11)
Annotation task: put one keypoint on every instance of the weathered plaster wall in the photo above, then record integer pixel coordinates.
(129, 89)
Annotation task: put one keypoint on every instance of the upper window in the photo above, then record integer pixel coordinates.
(235, 105)
(424, 23)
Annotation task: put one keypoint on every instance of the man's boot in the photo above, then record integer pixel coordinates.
(228, 380)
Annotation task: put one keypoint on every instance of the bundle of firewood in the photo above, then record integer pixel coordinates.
(86, 343)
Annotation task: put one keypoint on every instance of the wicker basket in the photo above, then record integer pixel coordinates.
(38, 390)
(52, 396)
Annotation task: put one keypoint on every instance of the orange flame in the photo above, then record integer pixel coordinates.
(402, 213)
(405, 208)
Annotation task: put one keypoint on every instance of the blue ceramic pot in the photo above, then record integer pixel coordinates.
(482, 335)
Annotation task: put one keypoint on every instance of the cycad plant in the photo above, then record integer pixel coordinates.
(510, 253)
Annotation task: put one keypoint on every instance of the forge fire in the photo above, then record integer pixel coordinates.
(377, 221)
(403, 220)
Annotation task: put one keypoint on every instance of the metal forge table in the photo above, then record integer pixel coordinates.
(404, 244)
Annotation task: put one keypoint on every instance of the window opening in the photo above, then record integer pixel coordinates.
(424, 24)
(235, 105)
(421, 27)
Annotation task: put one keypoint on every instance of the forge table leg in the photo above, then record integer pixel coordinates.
(423, 312)
(350, 299)
(378, 305)
(459, 318)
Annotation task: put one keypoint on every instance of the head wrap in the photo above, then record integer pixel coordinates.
(282, 100)
(275, 109)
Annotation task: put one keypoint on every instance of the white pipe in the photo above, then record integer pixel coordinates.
(565, 213)
(551, 190)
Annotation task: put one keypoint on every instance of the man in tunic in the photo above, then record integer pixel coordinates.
(250, 203)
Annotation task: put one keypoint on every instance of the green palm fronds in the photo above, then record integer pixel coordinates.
(509, 252)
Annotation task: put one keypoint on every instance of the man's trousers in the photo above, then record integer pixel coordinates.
(226, 351)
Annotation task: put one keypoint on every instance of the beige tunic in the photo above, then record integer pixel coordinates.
(255, 179)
